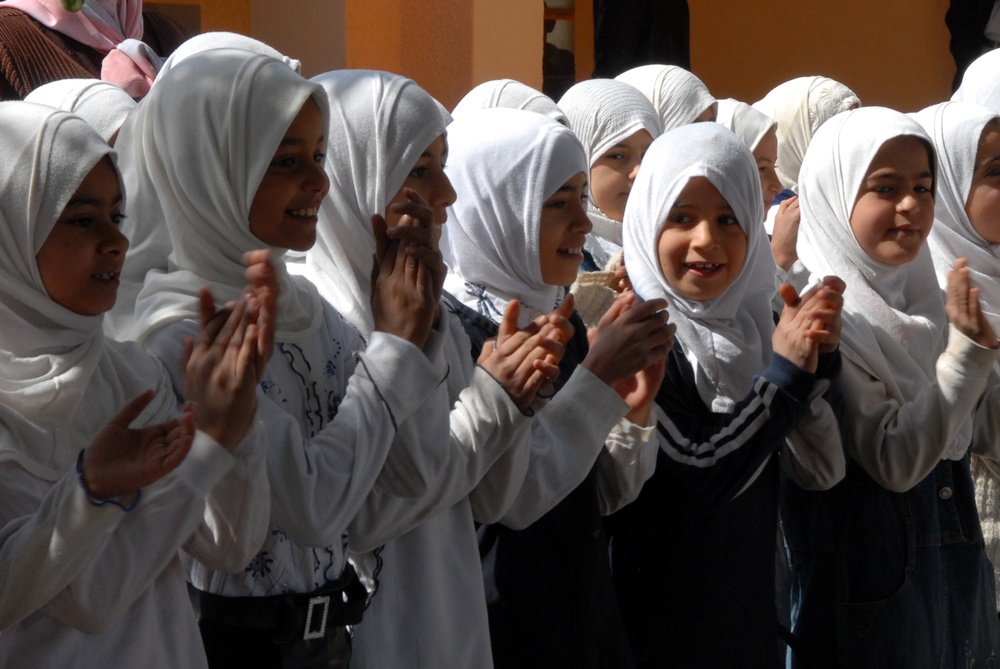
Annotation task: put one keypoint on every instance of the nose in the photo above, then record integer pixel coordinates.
(115, 242)
(316, 179)
(703, 234)
(907, 204)
(581, 222)
(635, 171)
(442, 197)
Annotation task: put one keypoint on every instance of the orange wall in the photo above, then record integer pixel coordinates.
(890, 52)
(447, 46)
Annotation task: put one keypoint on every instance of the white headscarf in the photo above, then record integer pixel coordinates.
(223, 40)
(981, 81)
(727, 339)
(956, 128)
(113, 27)
(894, 319)
(102, 105)
(205, 136)
(602, 113)
(678, 95)
(800, 107)
(59, 382)
(508, 94)
(380, 124)
(749, 124)
(504, 164)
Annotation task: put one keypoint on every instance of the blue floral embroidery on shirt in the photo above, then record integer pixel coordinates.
(281, 534)
(260, 565)
(484, 304)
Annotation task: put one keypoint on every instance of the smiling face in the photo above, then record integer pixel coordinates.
(701, 246)
(563, 231)
(284, 208)
(612, 174)
(428, 179)
(766, 155)
(81, 259)
(894, 209)
(983, 205)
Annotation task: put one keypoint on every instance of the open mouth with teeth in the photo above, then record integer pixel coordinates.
(303, 213)
(106, 277)
(703, 269)
(571, 251)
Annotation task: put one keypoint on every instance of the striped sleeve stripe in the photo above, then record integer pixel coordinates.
(739, 431)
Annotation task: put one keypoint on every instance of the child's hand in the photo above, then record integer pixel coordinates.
(525, 360)
(624, 283)
(121, 460)
(830, 296)
(639, 391)
(804, 323)
(404, 294)
(630, 337)
(963, 308)
(262, 299)
(420, 235)
(219, 371)
(786, 233)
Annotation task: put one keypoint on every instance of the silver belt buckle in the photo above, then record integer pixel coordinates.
(313, 603)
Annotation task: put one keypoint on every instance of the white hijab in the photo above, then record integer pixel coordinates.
(727, 339)
(508, 94)
(800, 107)
(504, 164)
(956, 128)
(223, 40)
(749, 124)
(894, 319)
(59, 381)
(677, 95)
(205, 136)
(380, 124)
(981, 81)
(602, 113)
(102, 105)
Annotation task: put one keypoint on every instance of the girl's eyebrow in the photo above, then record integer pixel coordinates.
(296, 141)
(91, 201)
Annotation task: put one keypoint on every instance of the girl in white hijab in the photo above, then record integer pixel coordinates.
(388, 144)
(516, 231)
(677, 95)
(102, 105)
(89, 561)
(146, 227)
(967, 138)
(736, 385)
(508, 94)
(895, 552)
(234, 143)
(616, 124)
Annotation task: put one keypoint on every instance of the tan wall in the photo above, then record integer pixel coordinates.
(890, 52)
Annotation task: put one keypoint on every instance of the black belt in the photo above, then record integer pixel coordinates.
(308, 615)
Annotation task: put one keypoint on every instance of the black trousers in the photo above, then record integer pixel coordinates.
(229, 647)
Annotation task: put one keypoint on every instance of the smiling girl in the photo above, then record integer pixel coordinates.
(517, 231)
(235, 145)
(890, 564)
(736, 386)
(387, 152)
(616, 124)
(90, 568)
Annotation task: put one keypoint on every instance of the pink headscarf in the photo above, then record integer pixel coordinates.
(113, 27)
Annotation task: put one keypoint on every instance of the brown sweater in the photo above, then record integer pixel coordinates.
(32, 55)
